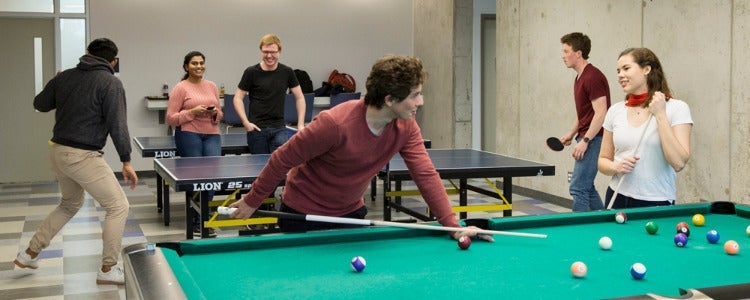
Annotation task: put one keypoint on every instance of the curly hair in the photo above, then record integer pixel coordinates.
(393, 75)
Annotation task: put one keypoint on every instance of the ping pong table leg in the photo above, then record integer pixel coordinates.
(373, 188)
(386, 198)
(188, 216)
(508, 193)
(159, 189)
(165, 203)
(462, 196)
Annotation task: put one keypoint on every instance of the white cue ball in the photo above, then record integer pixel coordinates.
(605, 243)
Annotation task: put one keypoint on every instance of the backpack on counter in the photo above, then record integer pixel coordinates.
(304, 81)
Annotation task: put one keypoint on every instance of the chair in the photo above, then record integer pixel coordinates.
(231, 118)
(290, 108)
(343, 97)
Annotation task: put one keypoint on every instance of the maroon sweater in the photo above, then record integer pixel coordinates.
(329, 164)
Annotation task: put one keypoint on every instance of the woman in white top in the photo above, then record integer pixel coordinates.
(646, 137)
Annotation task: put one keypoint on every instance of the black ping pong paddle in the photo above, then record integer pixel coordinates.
(555, 144)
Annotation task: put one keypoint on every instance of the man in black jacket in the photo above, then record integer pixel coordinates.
(90, 105)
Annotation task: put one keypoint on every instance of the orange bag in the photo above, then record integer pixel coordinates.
(344, 80)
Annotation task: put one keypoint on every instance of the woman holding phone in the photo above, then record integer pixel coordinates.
(194, 110)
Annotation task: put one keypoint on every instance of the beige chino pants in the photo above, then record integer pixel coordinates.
(79, 171)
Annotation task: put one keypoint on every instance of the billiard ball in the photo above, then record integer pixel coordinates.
(578, 269)
(652, 227)
(605, 243)
(680, 240)
(699, 220)
(358, 263)
(464, 242)
(621, 217)
(683, 228)
(731, 247)
(747, 230)
(712, 236)
(638, 271)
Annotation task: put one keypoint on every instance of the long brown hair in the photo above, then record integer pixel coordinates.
(655, 80)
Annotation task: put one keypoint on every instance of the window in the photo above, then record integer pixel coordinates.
(70, 22)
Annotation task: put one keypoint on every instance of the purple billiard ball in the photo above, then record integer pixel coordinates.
(712, 236)
(680, 240)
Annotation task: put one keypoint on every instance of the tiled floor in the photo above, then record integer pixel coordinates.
(68, 266)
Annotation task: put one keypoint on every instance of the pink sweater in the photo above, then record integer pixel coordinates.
(187, 95)
(329, 164)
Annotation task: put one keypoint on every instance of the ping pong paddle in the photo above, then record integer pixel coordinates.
(555, 144)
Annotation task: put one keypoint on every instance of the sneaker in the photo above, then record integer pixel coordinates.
(115, 276)
(197, 231)
(24, 260)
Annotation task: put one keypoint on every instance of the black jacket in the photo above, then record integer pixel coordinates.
(90, 104)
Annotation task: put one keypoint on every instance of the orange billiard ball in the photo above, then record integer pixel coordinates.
(731, 247)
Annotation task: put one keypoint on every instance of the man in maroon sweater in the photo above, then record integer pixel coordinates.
(329, 164)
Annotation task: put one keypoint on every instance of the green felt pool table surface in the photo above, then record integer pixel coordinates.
(427, 264)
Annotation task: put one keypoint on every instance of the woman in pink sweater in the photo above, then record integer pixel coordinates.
(194, 110)
(329, 164)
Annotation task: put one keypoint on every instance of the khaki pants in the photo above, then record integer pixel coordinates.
(79, 171)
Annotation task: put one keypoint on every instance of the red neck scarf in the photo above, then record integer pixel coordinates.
(636, 100)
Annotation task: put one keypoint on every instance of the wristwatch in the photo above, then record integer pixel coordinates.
(586, 139)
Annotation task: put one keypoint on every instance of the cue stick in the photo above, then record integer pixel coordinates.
(617, 188)
(363, 222)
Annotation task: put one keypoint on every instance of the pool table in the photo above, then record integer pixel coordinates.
(423, 264)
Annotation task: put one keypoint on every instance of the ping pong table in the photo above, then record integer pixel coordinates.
(461, 164)
(164, 147)
(227, 173)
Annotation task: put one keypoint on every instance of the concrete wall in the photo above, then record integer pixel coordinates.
(317, 36)
(702, 45)
(433, 43)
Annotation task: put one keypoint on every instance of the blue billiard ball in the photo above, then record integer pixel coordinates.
(680, 240)
(712, 236)
(638, 271)
(358, 263)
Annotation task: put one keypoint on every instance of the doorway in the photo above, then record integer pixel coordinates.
(24, 132)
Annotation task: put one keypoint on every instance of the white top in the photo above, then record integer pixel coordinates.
(652, 179)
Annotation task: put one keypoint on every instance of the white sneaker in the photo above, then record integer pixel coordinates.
(115, 276)
(24, 260)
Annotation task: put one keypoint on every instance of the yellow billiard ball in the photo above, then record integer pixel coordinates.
(699, 220)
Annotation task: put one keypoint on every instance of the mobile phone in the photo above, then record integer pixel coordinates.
(210, 108)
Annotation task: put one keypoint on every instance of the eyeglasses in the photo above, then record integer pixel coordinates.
(269, 52)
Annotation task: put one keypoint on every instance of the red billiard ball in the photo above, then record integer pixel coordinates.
(621, 217)
(464, 242)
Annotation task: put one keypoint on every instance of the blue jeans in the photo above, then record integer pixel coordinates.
(585, 196)
(267, 140)
(191, 144)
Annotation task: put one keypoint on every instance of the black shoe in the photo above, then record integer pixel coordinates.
(197, 231)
